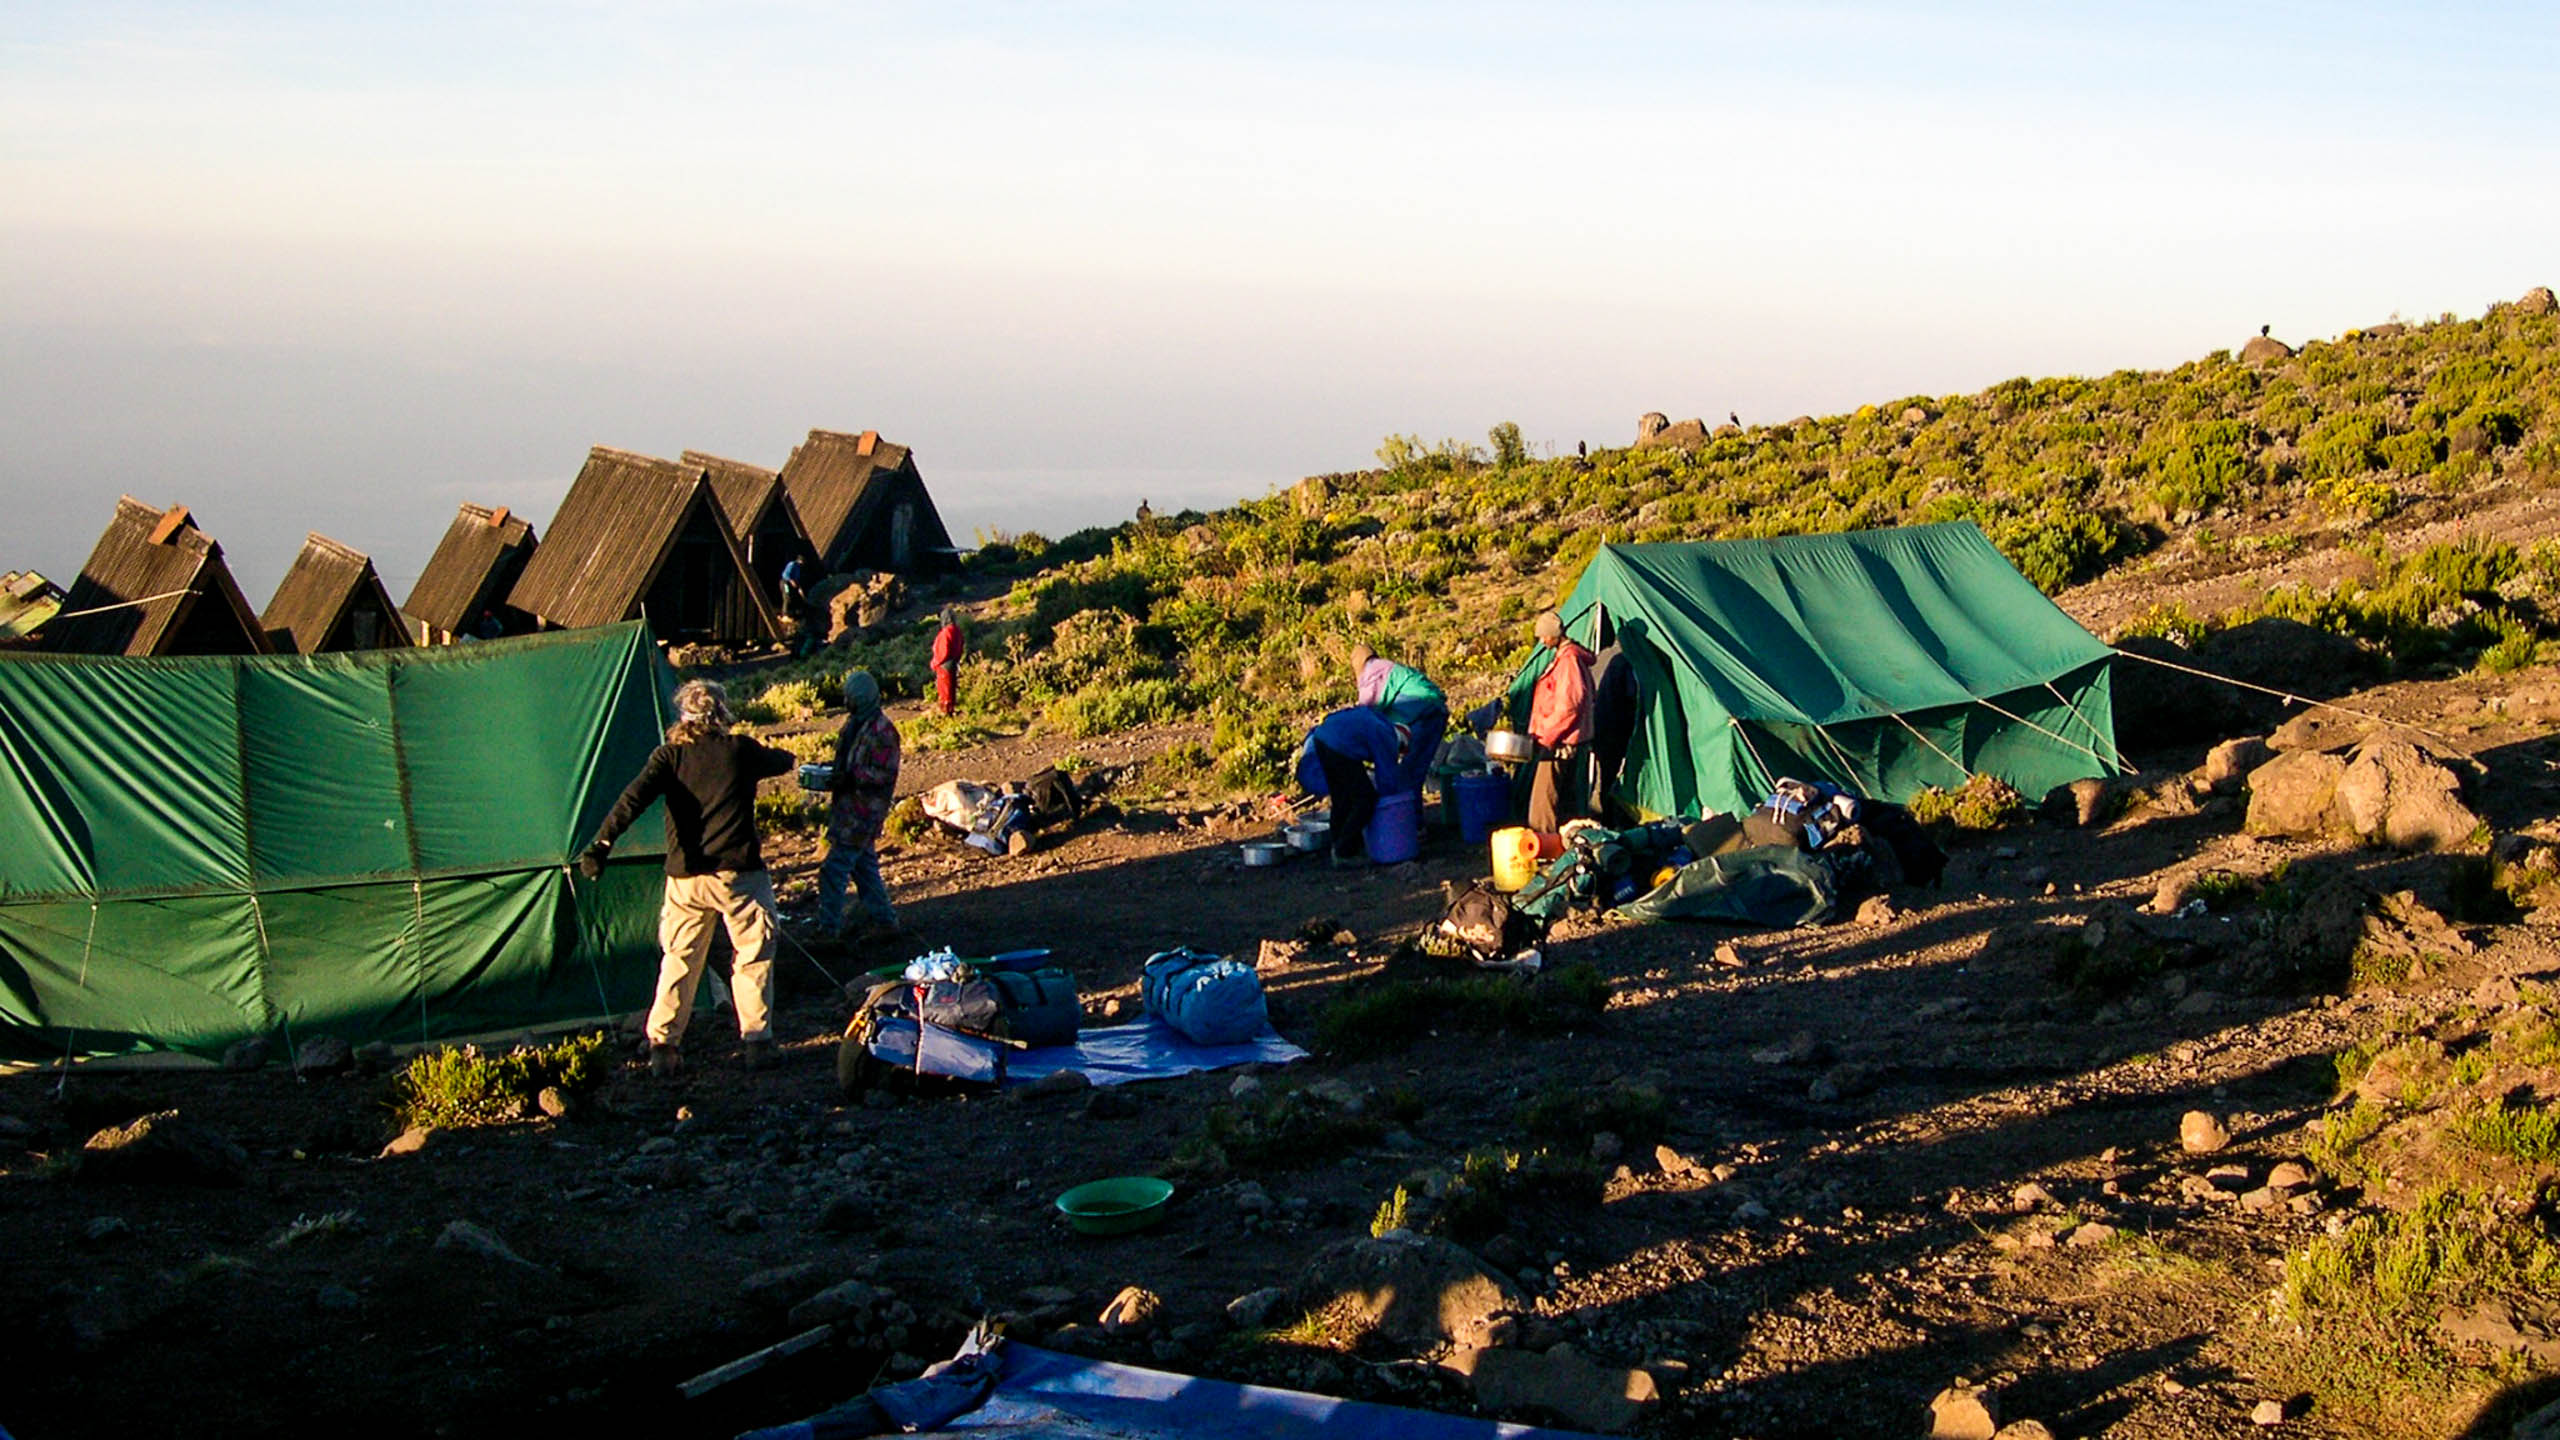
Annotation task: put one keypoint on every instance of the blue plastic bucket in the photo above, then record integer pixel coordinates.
(1483, 803)
(1395, 831)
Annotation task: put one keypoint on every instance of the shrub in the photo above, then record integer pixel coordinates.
(461, 1085)
(2522, 1132)
(1985, 802)
(1388, 1017)
(787, 812)
(1636, 1113)
(2364, 1302)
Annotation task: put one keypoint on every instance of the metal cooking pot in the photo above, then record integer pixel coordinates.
(1510, 746)
(1258, 853)
(1309, 835)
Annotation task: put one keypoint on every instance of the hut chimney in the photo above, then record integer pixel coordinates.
(170, 524)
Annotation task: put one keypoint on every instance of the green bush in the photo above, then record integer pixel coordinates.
(1985, 802)
(2364, 1302)
(1388, 1017)
(461, 1085)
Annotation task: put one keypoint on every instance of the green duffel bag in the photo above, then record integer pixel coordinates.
(1040, 1006)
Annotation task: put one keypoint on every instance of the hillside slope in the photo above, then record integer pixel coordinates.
(2390, 482)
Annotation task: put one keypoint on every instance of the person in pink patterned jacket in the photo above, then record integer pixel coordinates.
(864, 787)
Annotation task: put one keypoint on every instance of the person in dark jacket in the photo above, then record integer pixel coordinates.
(715, 868)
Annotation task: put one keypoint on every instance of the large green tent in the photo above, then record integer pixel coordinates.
(372, 845)
(1880, 660)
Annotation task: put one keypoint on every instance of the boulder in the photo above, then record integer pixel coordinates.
(1685, 435)
(1417, 1291)
(2542, 1424)
(2227, 765)
(1964, 1412)
(2023, 1430)
(1649, 425)
(163, 1149)
(783, 1286)
(2201, 1133)
(323, 1055)
(1560, 1382)
(248, 1054)
(462, 1237)
(2264, 350)
(2294, 793)
(1134, 1308)
(2538, 301)
(2396, 793)
(2333, 731)
(1257, 1309)
(836, 1304)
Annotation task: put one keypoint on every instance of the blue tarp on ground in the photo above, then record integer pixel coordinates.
(1043, 1395)
(1147, 1050)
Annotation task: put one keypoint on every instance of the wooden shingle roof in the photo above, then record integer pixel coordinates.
(837, 480)
(327, 583)
(613, 532)
(482, 552)
(187, 600)
(744, 490)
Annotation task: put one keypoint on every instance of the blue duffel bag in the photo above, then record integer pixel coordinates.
(1210, 999)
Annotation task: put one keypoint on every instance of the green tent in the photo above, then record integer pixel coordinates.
(1880, 660)
(371, 845)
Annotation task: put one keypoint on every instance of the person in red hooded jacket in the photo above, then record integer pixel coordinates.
(1560, 721)
(948, 647)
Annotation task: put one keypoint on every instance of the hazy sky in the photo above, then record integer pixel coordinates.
(339, 267)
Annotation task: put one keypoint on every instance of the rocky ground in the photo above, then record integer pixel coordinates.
(2032, 1147)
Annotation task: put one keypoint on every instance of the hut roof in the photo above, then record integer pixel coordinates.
(150, 573)
(469, 570)
(744, 490)
(612, 533)
(27, 600)
(835, 479)
(326, 581)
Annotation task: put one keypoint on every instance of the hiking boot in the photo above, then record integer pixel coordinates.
(664, 1061)
(757, 1053)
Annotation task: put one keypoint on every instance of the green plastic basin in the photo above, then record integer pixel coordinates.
(1116, 1206)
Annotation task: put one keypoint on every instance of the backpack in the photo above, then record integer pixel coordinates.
(1481, 919)
(890, 1044)
(1054, 798)
(1210, 999)
(1040, 1006)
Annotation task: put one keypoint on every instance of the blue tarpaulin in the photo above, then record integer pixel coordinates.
(1148, 1050)
(1042, 1395)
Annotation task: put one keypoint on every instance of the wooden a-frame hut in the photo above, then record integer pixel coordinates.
(155, 585)
(638, 538)
(865, 505)
(331, 599)
(467, 579)
(760, 514)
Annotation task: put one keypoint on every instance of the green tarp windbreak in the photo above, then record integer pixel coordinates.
(371, 845)
(1880, 660)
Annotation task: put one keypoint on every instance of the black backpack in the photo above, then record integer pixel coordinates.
(1054, 798)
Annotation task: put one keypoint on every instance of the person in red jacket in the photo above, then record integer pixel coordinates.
(948, 647)
(1560, 721)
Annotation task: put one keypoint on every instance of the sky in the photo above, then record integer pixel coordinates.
(342, 267)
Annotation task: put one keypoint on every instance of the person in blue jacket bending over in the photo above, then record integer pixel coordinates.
(1353, 755)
